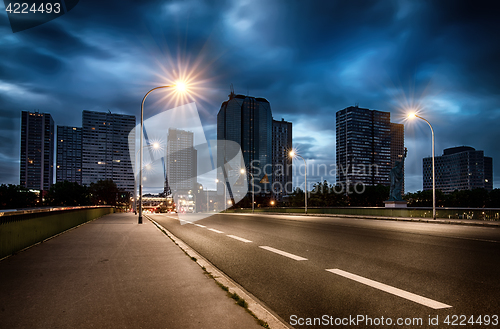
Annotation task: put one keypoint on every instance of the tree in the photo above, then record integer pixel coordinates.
(296, 198)
(68, 194)
(372, 196)
(494, 199)
(16, 196)
(326, 195)
(104, 192)
(477, 198)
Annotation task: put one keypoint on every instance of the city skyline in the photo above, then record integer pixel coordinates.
(303, 60)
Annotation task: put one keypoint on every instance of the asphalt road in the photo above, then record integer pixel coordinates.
(338, 270)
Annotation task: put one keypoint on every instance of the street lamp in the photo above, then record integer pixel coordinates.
(225, 197)
(293, 155)
(181, 87)
(411, 116)
(151, 146)
(208, 209)
(242, 170)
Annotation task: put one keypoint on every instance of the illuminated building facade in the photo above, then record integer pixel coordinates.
(37, 150)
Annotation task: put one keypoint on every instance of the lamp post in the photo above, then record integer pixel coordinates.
(413, 115)
(253, 193)
(292, 155)
(201, 196)
(225, 197)
(179, 86)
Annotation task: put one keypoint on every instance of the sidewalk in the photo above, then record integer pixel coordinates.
(112, 273)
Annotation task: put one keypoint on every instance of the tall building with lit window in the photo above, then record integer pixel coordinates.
(367, 146)
(105, 148)
(181, 164)
(398, 146)
(282, 162)
(37, 150)
(248, 122)
(459, 168)
(69, 154)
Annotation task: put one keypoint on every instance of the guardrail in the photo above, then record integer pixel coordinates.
(488, 214)
(20, 229)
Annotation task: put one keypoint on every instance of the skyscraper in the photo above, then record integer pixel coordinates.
(282, 162)
(37, 150)
(365, 146)
(105, 153)
(69, 154)
(181, 164)
(248, 122)
(397, 145)
(459, 168)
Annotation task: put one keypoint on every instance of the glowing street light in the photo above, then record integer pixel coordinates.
(243, 171)
(180, 87)
(225, 197)
(414, 115)
(293, 154)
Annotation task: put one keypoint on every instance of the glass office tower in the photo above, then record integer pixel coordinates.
(248, 122)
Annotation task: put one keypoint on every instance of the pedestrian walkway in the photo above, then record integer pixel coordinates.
(112, 273)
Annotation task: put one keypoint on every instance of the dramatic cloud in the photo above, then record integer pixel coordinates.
(309, 59)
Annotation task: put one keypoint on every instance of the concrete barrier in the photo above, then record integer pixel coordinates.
(21, 229)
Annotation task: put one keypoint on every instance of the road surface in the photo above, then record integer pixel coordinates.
(317, 272)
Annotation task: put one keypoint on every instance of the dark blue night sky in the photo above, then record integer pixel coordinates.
(308, 58)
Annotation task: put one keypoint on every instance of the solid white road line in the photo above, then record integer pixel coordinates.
(392, 290)
(283, 253)
(199, 225)
(238, 238)
(214, 230)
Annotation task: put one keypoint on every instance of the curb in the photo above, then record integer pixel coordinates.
(254, 305)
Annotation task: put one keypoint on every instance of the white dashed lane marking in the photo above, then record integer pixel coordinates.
(283, 253)
(392, 290)
(238, 238)
(214, 230)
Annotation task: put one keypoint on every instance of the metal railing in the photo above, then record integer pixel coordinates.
(487, 214)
